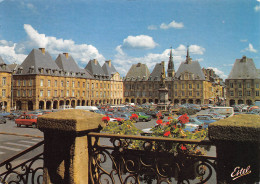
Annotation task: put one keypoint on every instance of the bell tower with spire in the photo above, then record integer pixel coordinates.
(170, 70)
(188, 59)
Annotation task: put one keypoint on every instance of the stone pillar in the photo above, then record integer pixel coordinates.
(237, 140)
(66, 145)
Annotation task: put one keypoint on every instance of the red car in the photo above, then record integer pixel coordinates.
(117, 118)
(27, 120)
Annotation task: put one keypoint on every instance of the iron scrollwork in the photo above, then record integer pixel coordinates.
(119, 163)
(27, 172)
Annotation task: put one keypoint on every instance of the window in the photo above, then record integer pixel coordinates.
(30, 82)
(73, 93)
(198, 93)
(41, 93)
(55, 83)
(231, 93)
(67, 94)
(24, 82)
(240, 93)
(182, 86)
(41, 82)
(61, 93)
(198, 86)
(105, 94)
(30, 92)
(248, 93)
(92, 86)
(182, 93)
(55, 93)
(231, 85)
(175, 93)
(239, 85)
(83, 93)
(4, 81)
(78, 84)
(3, 93)
(61, 83)
(190, 86)
(68, 83)
(175, 86)
(96, 85)
(248, 85)
(73, 84)
(96, 94)
(49, 93)
(101, 94)
(257, 85)
(18, 83)
(256, 93)
(78, 93)
(49, 83)
(190, 93)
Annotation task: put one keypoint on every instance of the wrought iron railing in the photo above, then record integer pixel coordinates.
(130, 159)
(27, 172)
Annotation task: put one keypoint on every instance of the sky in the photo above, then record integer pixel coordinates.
(131, 31)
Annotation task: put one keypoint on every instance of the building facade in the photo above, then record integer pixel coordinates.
(187, 85)
(41, 83)
(5, 86)
(242, 84)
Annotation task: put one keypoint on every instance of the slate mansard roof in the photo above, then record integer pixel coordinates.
(138, 72)
(244, 68)
(41, 62)
(191, 67)
(108, 68)
(68, 64)
(3, 66)
(157, 72)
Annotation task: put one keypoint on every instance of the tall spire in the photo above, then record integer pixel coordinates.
(170, 63)
(170, 70)
(188, 59)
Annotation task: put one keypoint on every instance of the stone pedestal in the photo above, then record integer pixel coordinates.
(163, 99)
(237, 141)
(66, 145)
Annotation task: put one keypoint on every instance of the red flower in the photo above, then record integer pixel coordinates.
(170, 118)
(159, 121)
(134, 116)
(184, 119)
(167, 133)
(183, 147)
(105, 118)
(168, 123)
(174, 126)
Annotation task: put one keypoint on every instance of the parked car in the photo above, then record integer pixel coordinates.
(143, 117)
(153, 114)
(2, 119)
(27, 120)
(206, 119)
(12, 116)
(197, 122)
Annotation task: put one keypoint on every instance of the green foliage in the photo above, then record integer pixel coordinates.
(126, 128)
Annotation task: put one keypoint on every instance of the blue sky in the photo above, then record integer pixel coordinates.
(132, 31)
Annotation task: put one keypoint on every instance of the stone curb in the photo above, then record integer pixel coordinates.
(25, 135)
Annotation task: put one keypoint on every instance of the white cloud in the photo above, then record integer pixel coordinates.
(80, 52)
(124, 62)
(152, 27)
(139, 42)
(250, 48)
(173, 24)
(220, 73)
(257, 8)
(8, 53)
(228, 64)
(1, 1)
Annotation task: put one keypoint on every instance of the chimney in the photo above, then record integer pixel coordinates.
(66, 55)
(109, 63)
(95, 61)
(42, 49)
